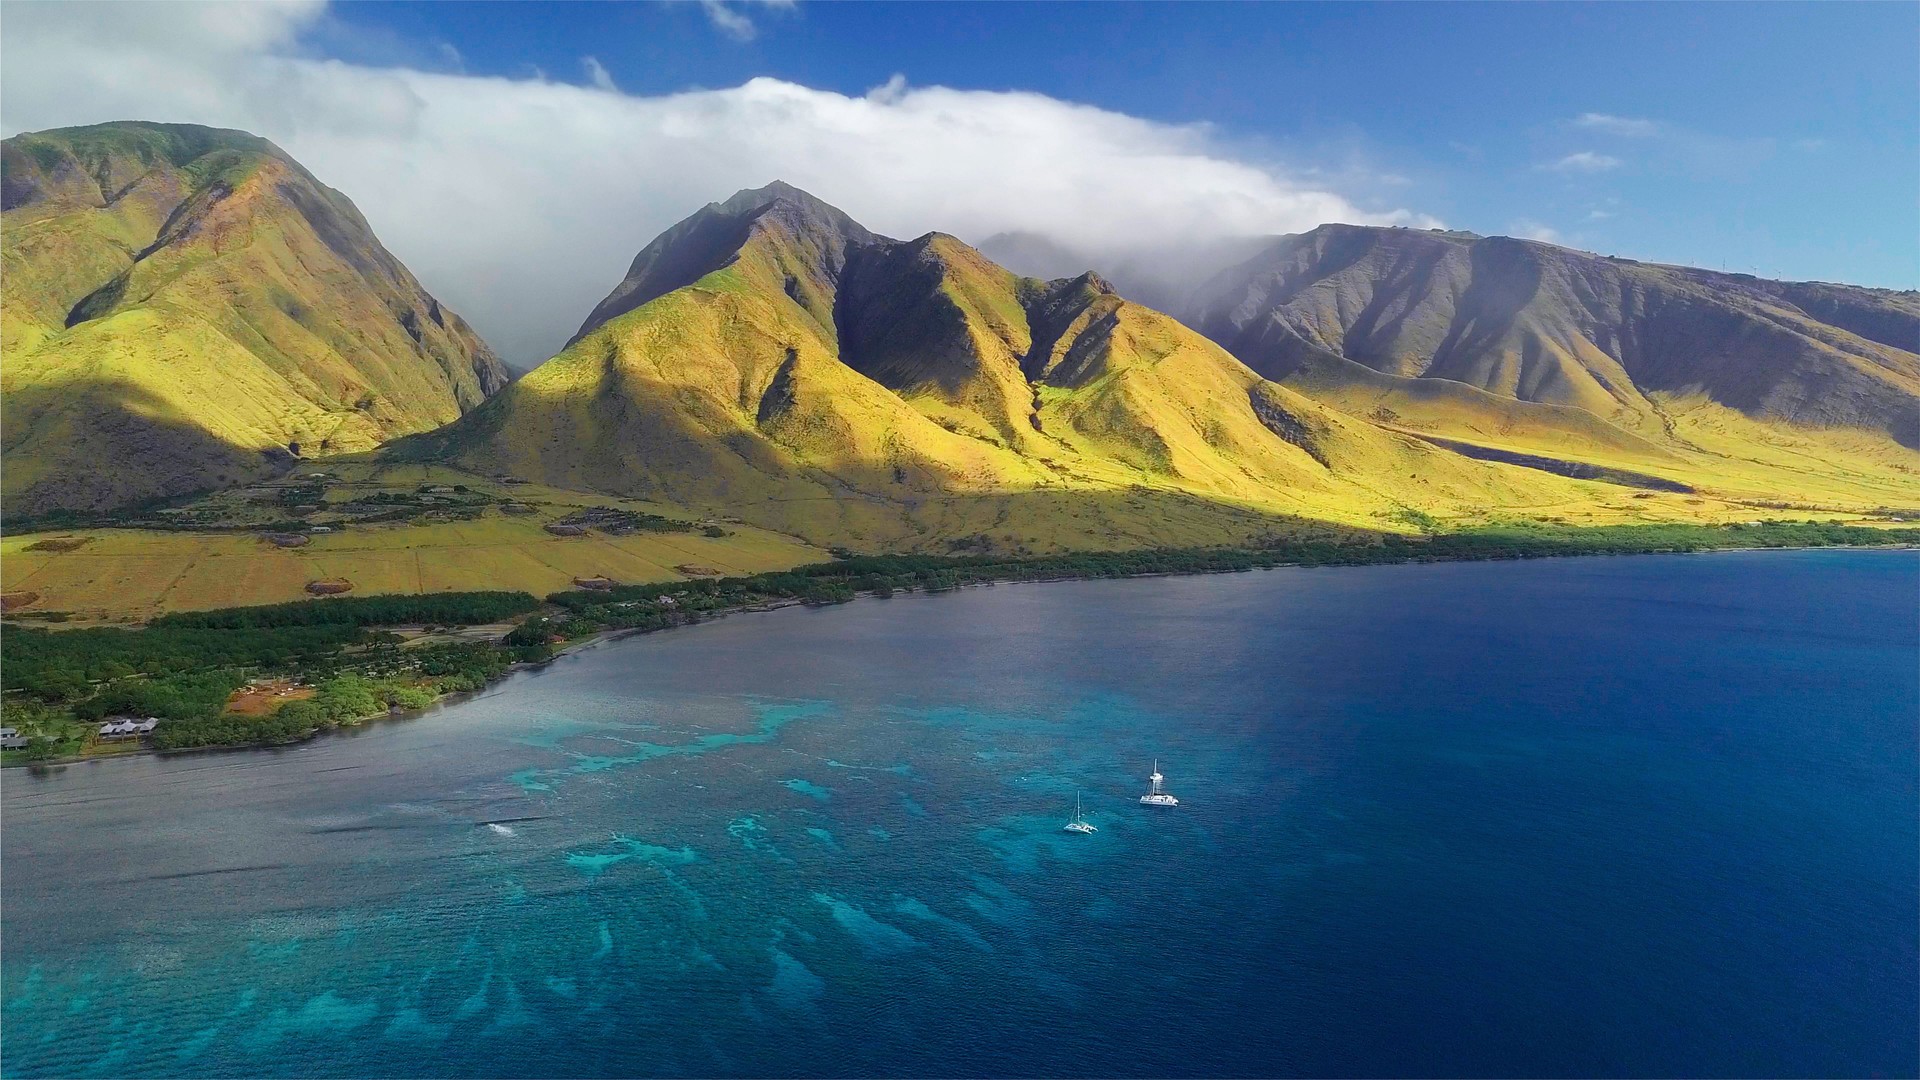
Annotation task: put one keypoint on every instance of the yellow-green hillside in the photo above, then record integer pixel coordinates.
(770, 359)
(121, 575)
(184, 307)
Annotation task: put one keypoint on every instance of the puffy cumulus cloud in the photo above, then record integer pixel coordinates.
(521, 200)
(61, 63)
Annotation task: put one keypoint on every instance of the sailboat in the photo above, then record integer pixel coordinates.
(1079, 823)
(1155, 796)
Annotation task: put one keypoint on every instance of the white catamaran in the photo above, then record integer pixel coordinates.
(1079, 823)
(1155, 796)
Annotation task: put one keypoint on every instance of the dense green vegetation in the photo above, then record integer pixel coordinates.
(451, 609)
(61, 665)
(184, 667)
(617, 522)
(180, 696)
(385, 680)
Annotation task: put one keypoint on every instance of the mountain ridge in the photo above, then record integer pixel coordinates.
(1540, 322)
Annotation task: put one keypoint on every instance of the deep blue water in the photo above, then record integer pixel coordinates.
(1598, 816)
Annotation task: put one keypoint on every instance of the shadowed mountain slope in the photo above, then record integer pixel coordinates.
(189, 307)
(1537, 323)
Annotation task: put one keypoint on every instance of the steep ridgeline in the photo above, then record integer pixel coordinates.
(185, 307)
(1492, 338)
(770, 358)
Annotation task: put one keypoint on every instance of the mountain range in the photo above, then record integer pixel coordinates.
(770, 359)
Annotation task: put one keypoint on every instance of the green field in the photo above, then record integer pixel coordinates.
(129, 575)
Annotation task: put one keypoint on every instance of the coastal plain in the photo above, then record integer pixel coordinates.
(112, 575)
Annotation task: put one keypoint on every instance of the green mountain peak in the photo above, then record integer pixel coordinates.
(190, 304)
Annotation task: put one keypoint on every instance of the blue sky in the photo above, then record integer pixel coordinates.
(1778, 137)
(515, 156)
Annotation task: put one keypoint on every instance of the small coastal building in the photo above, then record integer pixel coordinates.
(11, 739)
(128, 728)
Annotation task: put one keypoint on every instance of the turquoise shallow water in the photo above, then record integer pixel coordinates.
(1650, 816)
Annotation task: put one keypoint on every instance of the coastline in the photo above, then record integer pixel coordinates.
(614, 634)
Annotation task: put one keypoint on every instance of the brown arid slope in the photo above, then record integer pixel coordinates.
(190, 308)
(771, 359)
(1730, 382)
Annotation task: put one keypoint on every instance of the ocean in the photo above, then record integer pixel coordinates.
(1650, 816)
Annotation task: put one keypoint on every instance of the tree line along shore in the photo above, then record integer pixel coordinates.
(340, 661)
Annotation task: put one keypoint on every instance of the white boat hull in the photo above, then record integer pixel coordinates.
(1159, 800)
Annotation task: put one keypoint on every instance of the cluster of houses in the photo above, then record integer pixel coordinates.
(129, 728)
(11, 738)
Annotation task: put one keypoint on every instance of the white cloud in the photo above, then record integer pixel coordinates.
(1533, 230)
(597, 74)
(1617, 125)
(728, 21)
(891, 91)
(520, 201)
(1672, 147)
(1584, 161)
(728, 17)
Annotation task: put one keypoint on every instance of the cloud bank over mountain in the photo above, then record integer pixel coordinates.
(519, 199)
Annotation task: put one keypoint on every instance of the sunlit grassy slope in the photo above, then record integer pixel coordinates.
(188, 306)
(125, 574)
(772, 360)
